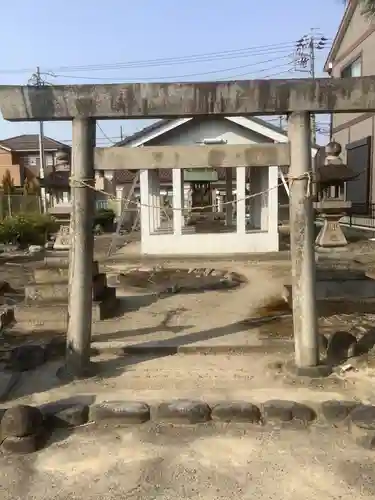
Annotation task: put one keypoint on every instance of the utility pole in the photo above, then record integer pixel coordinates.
(304, 60)
(37, 80)
(312, 73)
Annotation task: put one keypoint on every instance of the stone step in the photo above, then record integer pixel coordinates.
(57, 273)
(42, 292)
(211, 378)
(55, 313)
(327, 274)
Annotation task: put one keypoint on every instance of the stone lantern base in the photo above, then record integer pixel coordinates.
(331, 235)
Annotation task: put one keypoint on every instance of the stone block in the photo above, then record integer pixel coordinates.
(22, 445)
(336, 412)
(106, 307)
(362, 426)
(27, 357)
(99, 286)
(20, 421)
(363, 417)
(48, 313)
(183, 411)
(236, 411)
(282, 411)
(46, 292)
(57, 274)
(366, 440)
(120, 412)
(55, 314)
(58, 259)
(59, 291)
(341, 346)
(8, 381)
(71, 416)
(318, 371)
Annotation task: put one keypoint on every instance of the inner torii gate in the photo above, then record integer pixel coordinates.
(84, 104)
(173, 238)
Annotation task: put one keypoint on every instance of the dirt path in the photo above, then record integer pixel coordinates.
(201, 463)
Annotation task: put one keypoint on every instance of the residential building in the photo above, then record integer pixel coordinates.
(352, 55)
(20, 155)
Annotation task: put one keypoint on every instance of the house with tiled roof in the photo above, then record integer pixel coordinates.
(20, 155)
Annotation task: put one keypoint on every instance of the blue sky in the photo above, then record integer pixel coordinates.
(52, 34)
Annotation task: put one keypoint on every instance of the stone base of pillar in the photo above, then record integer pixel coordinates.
(331, 235)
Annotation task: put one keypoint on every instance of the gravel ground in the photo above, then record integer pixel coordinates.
(195, 463)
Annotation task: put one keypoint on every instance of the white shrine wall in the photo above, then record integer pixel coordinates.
(255, 232)
(258, 233)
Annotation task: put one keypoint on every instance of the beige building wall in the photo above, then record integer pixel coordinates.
(358, 42)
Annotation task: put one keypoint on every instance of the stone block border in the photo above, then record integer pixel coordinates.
(25, 429)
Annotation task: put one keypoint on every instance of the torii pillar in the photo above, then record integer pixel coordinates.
(82, 250)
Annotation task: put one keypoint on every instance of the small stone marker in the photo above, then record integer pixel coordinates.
(63, 238)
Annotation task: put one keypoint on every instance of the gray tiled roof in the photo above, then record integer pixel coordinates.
(126, 176)
(30, 142)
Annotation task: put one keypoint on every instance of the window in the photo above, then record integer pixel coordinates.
(31, 161)
(358, 159)
(353, 69)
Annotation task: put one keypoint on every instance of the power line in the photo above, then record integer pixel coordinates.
(188, 75)
(195, 58)
(114, 139)
(176, 61)
(271, 75)
(105, 135)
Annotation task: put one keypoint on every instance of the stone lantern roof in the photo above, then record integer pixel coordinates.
(333, 171)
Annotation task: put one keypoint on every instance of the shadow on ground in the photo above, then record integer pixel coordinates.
(123, 358)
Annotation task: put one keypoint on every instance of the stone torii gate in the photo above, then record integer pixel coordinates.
(84, 104)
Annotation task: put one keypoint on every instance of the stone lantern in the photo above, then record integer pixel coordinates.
(62, 161)
(61, 210)
(330, 181)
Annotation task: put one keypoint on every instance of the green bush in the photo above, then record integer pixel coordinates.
(104, 218)
(27, 229)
